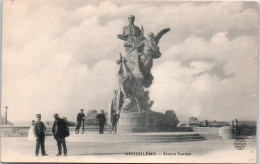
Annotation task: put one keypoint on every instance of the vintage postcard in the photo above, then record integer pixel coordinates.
(129, 81)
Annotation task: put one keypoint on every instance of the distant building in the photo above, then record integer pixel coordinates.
(192, 122)
(218, 123)
(91, 117)
(3, 123)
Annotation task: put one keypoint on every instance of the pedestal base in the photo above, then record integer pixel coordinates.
(132, 123)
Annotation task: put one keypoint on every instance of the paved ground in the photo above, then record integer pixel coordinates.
(14, 149)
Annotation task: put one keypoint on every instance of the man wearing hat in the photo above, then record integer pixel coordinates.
(102, 121)
(39, 133)
(80, 120)
(60, 131)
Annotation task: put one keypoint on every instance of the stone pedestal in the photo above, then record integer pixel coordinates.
(131, 119)
(132, 88)
(132, 122)
(132, 63)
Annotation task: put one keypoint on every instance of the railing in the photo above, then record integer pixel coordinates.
(15, 131)
(22, 131)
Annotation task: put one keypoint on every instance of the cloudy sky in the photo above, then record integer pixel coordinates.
(59, 56)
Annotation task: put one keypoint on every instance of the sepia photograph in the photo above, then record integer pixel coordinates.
(133, 81)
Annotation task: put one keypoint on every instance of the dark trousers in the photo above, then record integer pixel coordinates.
(40, 143)
(114, 129)
(78, 126)
(101, 128)
(62, 141)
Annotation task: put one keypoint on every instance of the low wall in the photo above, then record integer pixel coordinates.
(14, 131)
(22, 131)
(207, 132)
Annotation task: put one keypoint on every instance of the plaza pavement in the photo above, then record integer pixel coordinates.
(84, 148)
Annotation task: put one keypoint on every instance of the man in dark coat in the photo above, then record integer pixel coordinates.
(80, 120)
(114, 120)
(39, 133)
(102, 121)
(60, 131)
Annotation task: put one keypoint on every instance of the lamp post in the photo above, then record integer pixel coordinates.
(5, 119)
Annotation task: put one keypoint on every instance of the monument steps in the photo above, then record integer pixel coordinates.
(136, 137)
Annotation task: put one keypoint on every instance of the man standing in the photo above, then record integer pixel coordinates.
(39, 133)
(114, 120)
(80, 120)
(60, 131)
(102, 121)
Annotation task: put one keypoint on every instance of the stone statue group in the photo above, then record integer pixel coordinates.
(135, 68)
(147, 48)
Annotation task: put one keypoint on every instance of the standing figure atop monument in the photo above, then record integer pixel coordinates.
(114, 105)
(130, 33)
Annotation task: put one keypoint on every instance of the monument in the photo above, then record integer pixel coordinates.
(131, 100)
